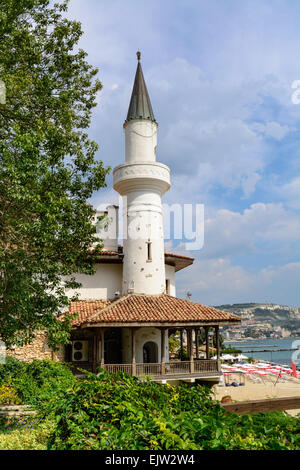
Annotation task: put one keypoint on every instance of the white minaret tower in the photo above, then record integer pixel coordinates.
(142, 181)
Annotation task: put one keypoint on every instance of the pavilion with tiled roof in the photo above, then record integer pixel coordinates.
(101, 321)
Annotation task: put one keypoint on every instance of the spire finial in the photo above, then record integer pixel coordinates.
(140, 105)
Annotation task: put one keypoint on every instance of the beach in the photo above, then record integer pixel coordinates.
(256, 391)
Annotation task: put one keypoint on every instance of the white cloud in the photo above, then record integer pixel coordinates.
(219, 152)
(217, 281)
(272, 129)
(291, 192)
(260, 228)
(213, 281)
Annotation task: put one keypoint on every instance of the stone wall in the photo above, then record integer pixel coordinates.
(37, 349)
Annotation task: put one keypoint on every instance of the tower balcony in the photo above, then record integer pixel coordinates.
(141, 176)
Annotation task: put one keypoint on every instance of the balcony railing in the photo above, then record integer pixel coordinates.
(200, 368)
(126, 368)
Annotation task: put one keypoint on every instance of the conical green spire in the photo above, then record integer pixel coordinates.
(140, 105)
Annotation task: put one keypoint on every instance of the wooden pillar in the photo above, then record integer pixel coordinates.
(133, 351)
(181, 341)
(218, 346)
(95, 352)
(217, 342)
(102, 347)
(190, 349)
(197, 342)
(163, 350)
(207, 342)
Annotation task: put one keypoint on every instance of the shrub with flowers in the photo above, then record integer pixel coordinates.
(9, 395)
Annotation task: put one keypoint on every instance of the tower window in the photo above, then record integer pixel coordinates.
(168, 286)
(149, 251)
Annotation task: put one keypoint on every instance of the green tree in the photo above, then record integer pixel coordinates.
(201, 338)
(48, 167)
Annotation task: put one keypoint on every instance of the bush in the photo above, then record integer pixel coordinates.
(9, 395)
(115, 411)
(231, 351)
(36, 381)
(182, 354)
(12, 368)
(28, 438)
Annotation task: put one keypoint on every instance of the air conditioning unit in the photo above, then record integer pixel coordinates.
(80, 351)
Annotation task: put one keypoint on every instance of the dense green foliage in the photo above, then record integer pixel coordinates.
(119, 412)
(48, 167)
(36, 382)
(116, 411)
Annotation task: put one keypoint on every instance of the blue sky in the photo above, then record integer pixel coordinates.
(219, 74)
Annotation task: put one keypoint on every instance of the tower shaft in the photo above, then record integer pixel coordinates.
(142, 181)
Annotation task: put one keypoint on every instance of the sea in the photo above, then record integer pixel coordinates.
(272, 346)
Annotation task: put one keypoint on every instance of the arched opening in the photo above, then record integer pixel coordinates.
(150, 352)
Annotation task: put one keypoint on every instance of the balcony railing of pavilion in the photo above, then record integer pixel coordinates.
(176, 368)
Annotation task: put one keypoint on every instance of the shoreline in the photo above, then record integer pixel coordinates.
(279, 351)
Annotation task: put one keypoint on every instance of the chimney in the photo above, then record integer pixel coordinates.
(108, 227)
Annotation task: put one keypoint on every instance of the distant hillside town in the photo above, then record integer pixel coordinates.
(260, 321)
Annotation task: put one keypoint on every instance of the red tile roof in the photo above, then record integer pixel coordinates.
(86, 308)
(173, 255)
(178, 261)
(145, 309)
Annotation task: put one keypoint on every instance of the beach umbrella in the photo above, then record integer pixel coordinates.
(227, 357)
(241, 357)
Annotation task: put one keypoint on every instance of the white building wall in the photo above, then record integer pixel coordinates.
(170, 275)
(108, 279)
(142, 336)
(108, 228)
(102, 285)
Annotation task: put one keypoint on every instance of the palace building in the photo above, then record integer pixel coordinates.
(128, 309)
